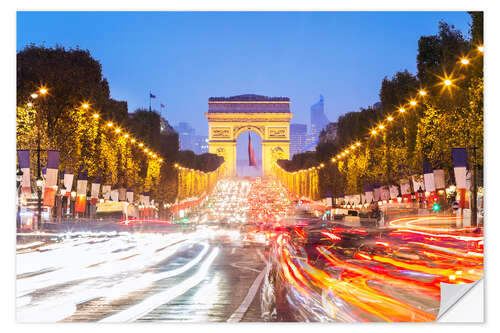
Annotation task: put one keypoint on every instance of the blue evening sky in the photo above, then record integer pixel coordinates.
(187, 57)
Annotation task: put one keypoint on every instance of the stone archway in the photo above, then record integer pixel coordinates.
(269, 117)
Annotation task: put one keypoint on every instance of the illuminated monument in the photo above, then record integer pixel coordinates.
(269, 117)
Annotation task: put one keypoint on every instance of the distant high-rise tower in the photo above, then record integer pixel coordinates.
(298, 133)
(186, 136)
(318, 117)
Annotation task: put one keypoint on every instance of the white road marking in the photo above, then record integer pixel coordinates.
(261, 256)
(236, 265)
(242, 309)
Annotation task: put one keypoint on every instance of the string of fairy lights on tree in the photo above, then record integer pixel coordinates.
(447, 82)
(107, 125)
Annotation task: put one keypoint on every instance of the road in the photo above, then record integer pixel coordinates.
(247, 255)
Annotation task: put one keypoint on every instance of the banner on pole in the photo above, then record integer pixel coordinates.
(68, 183)
(130, 196)
(394, 191)
(122, 194)
(81, 192)
(114, 195)
(50, 188)
(94, 192)
(439, 179)
(417, 183)
(23, 157)
(106, 192)
(385, 193)
(405, 189)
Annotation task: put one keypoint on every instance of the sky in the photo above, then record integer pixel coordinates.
(186, 57)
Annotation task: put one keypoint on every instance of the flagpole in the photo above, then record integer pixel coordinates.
(149, 100)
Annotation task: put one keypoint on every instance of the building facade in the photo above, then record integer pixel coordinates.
(298, 134)
(318, 117)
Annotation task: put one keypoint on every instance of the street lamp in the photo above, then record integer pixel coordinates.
(39, 183)
(73, 198)
(19, 177)
(420, 193)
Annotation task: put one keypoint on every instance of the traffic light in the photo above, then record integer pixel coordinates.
(436, 207)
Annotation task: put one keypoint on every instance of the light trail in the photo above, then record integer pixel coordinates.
(138, 310)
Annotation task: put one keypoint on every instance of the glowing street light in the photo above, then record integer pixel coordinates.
(413, 102)
(34, 95)
(352, 147)
(480, 48)
(390, 118)
(373, 132)
(85, 106)
(447, 82)
(125, 136)
(464, 61)
(118, 130)
(141, 144)
(145, 150)
(338, 156)
(43, 90)
(133, 140)
(358, 143)
(29, 104)
(333, 160)
(402, 110)
(160, 160)
(95, 115)
(109, 124)
(381, 126)
(422, 92)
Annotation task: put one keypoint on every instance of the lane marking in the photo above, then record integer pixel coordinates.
(262, 256)
(242, 309)
(244, 267)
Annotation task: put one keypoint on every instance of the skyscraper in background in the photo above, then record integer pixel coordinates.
(318, 117)
(298, 134)
(186, 136)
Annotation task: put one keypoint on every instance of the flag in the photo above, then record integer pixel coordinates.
(23, 157)
(251, 155)
(439, 181)
(106, 192)
(94, 191)
(130, 196)
(393, 191)
(68, 183)
(51, 171)
(368, 193)
(81, 192)
(122, 194)
(429, 178)
(151, 95)
(405, 189)
(460, 169)
(417, 183)
(114, 195)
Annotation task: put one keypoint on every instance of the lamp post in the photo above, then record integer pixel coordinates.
(63, 197)
(72, 203)
(19, 177)
(39, 183)
(420, 193)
